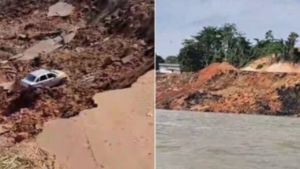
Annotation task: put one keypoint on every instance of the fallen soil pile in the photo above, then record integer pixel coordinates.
(100, 45)
(235, 91)
(211, 70)
(172, 85)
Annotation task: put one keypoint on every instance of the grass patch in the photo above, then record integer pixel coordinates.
(259, 66)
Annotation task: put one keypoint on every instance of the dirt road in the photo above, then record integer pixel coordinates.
(119, 133)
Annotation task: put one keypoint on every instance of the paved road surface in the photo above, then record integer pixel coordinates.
(118, 134)
(189, 140)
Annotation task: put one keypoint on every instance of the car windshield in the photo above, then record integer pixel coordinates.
(30, 77)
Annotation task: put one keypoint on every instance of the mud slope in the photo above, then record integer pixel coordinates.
(235, 91)
(109, 54)
(99, 136)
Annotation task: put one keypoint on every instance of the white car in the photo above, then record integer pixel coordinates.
(43, 78)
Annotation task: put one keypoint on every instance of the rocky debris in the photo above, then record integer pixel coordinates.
(111, 55)
(60, 9)
(171, 81)
(21, 136)
(45, 47)
(7, 86)
(235, 91)
(5, 128)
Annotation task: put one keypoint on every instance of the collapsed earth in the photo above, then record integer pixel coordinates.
(100, 45)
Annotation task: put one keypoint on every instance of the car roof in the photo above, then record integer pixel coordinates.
(40, 72)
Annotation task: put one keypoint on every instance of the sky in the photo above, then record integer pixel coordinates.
(177, 20)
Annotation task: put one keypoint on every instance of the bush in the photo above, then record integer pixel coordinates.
(259, 66)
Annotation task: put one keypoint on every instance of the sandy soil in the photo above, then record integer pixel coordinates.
(119, 133)
(264, 62)
(284, 67)
(277, 67)
(269, 66)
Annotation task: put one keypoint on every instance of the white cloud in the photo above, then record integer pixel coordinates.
(179, 19)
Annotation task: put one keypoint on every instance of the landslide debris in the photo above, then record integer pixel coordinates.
(109, 54)
(236, 91)
(27, 156)
(170, 86)
(170, 81)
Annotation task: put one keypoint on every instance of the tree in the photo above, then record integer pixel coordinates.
(215, 44)
(226, 43)
(189, 56)
(268, 46)
(158, 59)
(290, 47)
(171, 59)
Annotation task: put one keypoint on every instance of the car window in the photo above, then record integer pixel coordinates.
(42, 78)
(51, 75)
(30, 77)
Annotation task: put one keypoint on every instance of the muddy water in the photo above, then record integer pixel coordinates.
(189, 140)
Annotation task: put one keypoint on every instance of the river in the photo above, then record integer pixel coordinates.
(190, 140)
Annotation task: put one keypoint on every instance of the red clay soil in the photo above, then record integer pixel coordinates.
(174, 85)
(211, 70)
(235, 91)
(112, 54)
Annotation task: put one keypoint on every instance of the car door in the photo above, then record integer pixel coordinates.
(52, 79)
(42, 81)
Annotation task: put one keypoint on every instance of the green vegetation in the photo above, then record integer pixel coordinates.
(171, 59)
(260, 66)
(226, 43)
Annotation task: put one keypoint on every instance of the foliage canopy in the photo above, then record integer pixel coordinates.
(227, 44)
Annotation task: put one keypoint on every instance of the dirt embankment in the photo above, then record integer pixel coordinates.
(110, 54)
(236, 91)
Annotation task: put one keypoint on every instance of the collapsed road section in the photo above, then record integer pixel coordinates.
(109, 54)
(223, 88)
